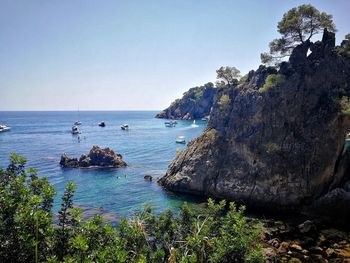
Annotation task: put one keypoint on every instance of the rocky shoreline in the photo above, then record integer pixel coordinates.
(97, 158)
(309, 241)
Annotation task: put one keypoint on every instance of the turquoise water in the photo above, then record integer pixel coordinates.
(148, 148)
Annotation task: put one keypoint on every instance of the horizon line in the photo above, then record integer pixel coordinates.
(69, 110)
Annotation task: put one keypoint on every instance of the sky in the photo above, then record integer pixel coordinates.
(131, 55)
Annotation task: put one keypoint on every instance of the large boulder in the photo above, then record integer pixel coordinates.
(196, 103)
(97, 157)
(280, 147)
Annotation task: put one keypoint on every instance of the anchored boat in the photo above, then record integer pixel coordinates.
(4, 128)
(194, 125)
(181, 139)
(170, 124)
(125, 127)
(75, 130)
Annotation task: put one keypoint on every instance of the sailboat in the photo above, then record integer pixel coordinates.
(194, 125)
(78, 122)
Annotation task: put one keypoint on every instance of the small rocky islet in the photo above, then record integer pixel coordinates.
(96, 158)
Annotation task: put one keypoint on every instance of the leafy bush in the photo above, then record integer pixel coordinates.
(272, 147)
(211, 134)
(345, 46)
(224, 100)
(272, 81)
(28, 233)
(345, 105)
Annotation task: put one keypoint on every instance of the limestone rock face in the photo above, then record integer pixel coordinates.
(281, 148)
(196, 103)
(97, 157)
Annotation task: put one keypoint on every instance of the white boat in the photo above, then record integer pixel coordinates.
(75, 130)
(194, 125)
(4, 128)
(170, 123)
(180, 139)
(125, 127)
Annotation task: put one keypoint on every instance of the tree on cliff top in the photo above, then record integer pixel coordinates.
(227, 76)
(297, 26)
(345, 46)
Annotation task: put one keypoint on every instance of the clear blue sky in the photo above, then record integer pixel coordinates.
(131, 55)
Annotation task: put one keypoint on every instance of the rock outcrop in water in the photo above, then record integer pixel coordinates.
(276, 141)
(196, 103)
(97, 158)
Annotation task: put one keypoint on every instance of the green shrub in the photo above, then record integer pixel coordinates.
(211, 134)
(345, 47)
(272, 81)
(224, 100)
(28, 233)
(199, 94)
(272, 147)
(345, 105)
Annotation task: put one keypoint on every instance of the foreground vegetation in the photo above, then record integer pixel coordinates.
(28, 232)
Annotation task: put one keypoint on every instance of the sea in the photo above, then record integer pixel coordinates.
(148, 147)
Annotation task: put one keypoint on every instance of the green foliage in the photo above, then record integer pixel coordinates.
(25, 213)
(345, 105)
(198, 93)
(28, 233)
(272, 147)
(227, 76)
(297, 26)
(345, 46)
(224, 101)
(211, 134)
(272, 81)
(243, 79)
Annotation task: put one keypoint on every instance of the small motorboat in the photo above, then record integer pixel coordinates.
(124, 127)
(170, 123)
(77, 123)
(75, 130)
(102, 124)
(181, 139)
(194, 125)
(4, 128)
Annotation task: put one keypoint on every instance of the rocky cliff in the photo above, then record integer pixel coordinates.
(276, 140)
(196, 103)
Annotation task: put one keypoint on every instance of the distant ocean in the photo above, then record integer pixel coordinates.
(148, 148)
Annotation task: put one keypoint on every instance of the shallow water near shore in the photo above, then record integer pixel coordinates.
(148, 148)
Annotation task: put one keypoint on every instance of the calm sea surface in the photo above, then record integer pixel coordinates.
(148, 147)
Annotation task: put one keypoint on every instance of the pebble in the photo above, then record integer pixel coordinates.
(296, 247)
